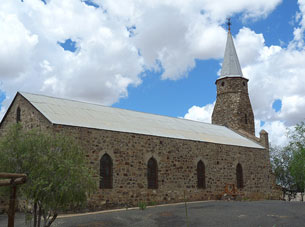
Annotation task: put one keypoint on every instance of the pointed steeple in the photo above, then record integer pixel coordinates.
(230, 65)
(233, 107)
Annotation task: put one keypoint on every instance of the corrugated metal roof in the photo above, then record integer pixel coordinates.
(81, 114)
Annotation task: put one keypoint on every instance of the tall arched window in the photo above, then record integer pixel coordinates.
(18, 115)
(152, 173)
(239, 176)
(106, 171)
(246, 119)
(200, 175)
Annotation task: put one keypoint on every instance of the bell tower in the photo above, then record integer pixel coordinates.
(233, 107)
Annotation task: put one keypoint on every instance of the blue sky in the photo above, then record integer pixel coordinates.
(160, 57)
(174, 97)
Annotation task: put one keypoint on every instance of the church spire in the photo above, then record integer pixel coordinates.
(230, 65)
(233, 107)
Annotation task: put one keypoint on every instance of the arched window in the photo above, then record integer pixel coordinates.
(200, 175)
(18, 113)
(106, 171)
(239, 176)
(152, 173)
(246, 119)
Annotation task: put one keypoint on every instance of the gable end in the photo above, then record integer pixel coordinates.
(29, 113)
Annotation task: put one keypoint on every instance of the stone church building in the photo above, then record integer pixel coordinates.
(142, 157)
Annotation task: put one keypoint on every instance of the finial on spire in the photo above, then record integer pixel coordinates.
(229, 24)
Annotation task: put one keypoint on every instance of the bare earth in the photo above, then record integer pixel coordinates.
(207, 213)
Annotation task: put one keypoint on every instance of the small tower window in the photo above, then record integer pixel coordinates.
(106, 171)
(18, 115)
(244, 83)
(246, 119)
(239, 176)
(200, 175)
(152, 173)
(222, 84)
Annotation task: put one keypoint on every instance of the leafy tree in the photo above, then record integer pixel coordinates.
(288, 162)
(297, 169)
(280, 161)
(297, 163)
(58, 174)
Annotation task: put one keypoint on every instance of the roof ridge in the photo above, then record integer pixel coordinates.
(75, 113)
(97, 104)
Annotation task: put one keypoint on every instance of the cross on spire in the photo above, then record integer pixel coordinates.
(229, 24)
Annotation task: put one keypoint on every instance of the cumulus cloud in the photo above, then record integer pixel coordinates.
(275, 73)
(277, 132)
(101, 69)
(118, 41)
(250, 9)
(200, 113)
(17, 44)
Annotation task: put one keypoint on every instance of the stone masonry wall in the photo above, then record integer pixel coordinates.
(232, 104)
(30, 118)
(177, 161)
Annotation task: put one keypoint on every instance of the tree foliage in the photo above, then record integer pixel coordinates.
(58, 174)
(297, 163)
(289, 162)
(280, 160)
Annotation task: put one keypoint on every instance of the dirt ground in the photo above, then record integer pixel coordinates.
(206, 213)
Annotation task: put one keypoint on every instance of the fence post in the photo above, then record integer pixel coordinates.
(11, 213)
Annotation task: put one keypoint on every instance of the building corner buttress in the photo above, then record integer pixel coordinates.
(264, 139)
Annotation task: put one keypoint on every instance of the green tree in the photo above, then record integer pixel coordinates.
(297, 163)
(58, 175)
(280, 161)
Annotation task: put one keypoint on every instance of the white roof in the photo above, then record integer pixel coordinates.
(230, 65)
(81, 114)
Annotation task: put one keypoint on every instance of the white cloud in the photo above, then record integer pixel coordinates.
(250, 9)
(274, 73)
(17, 44)
(277, 74)
(105, 55)
(169, 35)
(277, 132)
(203, 114)
(172, 34)
(249, 46)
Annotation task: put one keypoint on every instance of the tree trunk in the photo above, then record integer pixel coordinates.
(39, 215)
(52, 220)
(45, 218)
(35, 214)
